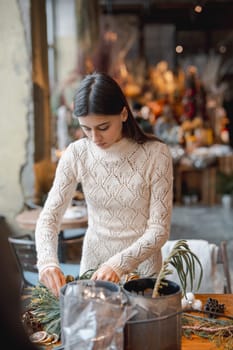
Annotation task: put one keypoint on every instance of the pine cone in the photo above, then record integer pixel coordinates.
(212, 307)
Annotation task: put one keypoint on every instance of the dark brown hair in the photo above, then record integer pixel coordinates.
(98, 93)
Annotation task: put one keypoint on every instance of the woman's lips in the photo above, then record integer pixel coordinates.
(100, 144)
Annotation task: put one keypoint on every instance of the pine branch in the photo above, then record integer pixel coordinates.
(87, 275)
(214, 313)
(227, 329)
(218, 331)
(46, 308)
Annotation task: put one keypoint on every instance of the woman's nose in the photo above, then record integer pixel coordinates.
(95, 135)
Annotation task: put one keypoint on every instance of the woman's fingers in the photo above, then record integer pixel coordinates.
(53, 279)
(105, 273)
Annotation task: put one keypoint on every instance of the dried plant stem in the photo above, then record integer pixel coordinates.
(216, 314)
(159, 281)
(226, 329)
(218, 331)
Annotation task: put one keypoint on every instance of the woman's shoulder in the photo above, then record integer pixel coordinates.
(156, 148)
(156, 144)
(74, 150)
(77, 145)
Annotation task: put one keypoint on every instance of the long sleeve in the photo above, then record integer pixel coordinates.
(48, 225)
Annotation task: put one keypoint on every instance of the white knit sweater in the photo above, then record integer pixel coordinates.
(128, 190)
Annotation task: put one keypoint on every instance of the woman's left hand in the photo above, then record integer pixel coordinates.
(105, 273)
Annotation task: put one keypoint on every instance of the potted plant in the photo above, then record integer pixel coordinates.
(158, 302)
(225, 188)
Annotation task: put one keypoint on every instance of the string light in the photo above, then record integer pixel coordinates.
(222, 49)
(198, 8)
(179, 49)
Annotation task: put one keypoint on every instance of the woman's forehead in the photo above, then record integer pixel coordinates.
(96, 119)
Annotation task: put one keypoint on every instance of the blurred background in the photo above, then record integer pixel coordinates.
(174, 61)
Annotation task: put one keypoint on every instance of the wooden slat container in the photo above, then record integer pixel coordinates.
(225, 164)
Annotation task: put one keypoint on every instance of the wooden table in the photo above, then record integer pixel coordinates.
(198, 343)
(28, 219)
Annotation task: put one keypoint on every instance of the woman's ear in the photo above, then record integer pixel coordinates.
(124, 114)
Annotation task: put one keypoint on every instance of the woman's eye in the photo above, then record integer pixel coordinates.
(103, 128)
(100, 128)
(85, 129)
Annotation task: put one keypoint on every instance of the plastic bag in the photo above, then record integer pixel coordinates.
(93, 315)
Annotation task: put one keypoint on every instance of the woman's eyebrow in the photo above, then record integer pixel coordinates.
(96, 126)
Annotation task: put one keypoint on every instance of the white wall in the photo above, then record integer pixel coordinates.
(16, 108)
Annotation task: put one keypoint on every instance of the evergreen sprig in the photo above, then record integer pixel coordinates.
(46, 308)
(219, 331)
(183, 260)
(87, 275)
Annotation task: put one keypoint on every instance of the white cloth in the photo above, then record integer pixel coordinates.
(128, 190)
(207, 254)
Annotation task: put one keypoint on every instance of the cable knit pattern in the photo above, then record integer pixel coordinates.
(129, 192)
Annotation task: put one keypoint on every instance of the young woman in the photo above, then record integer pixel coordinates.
(127, 180)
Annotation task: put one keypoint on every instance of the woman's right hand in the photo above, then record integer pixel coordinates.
(53, 278)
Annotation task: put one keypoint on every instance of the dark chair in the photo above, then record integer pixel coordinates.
(70, 244)
(72, 236)
(25, 252)
(223, 259)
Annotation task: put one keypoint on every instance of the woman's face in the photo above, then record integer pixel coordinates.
(103, 130)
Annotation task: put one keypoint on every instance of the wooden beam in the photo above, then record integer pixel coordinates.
(41, 91)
